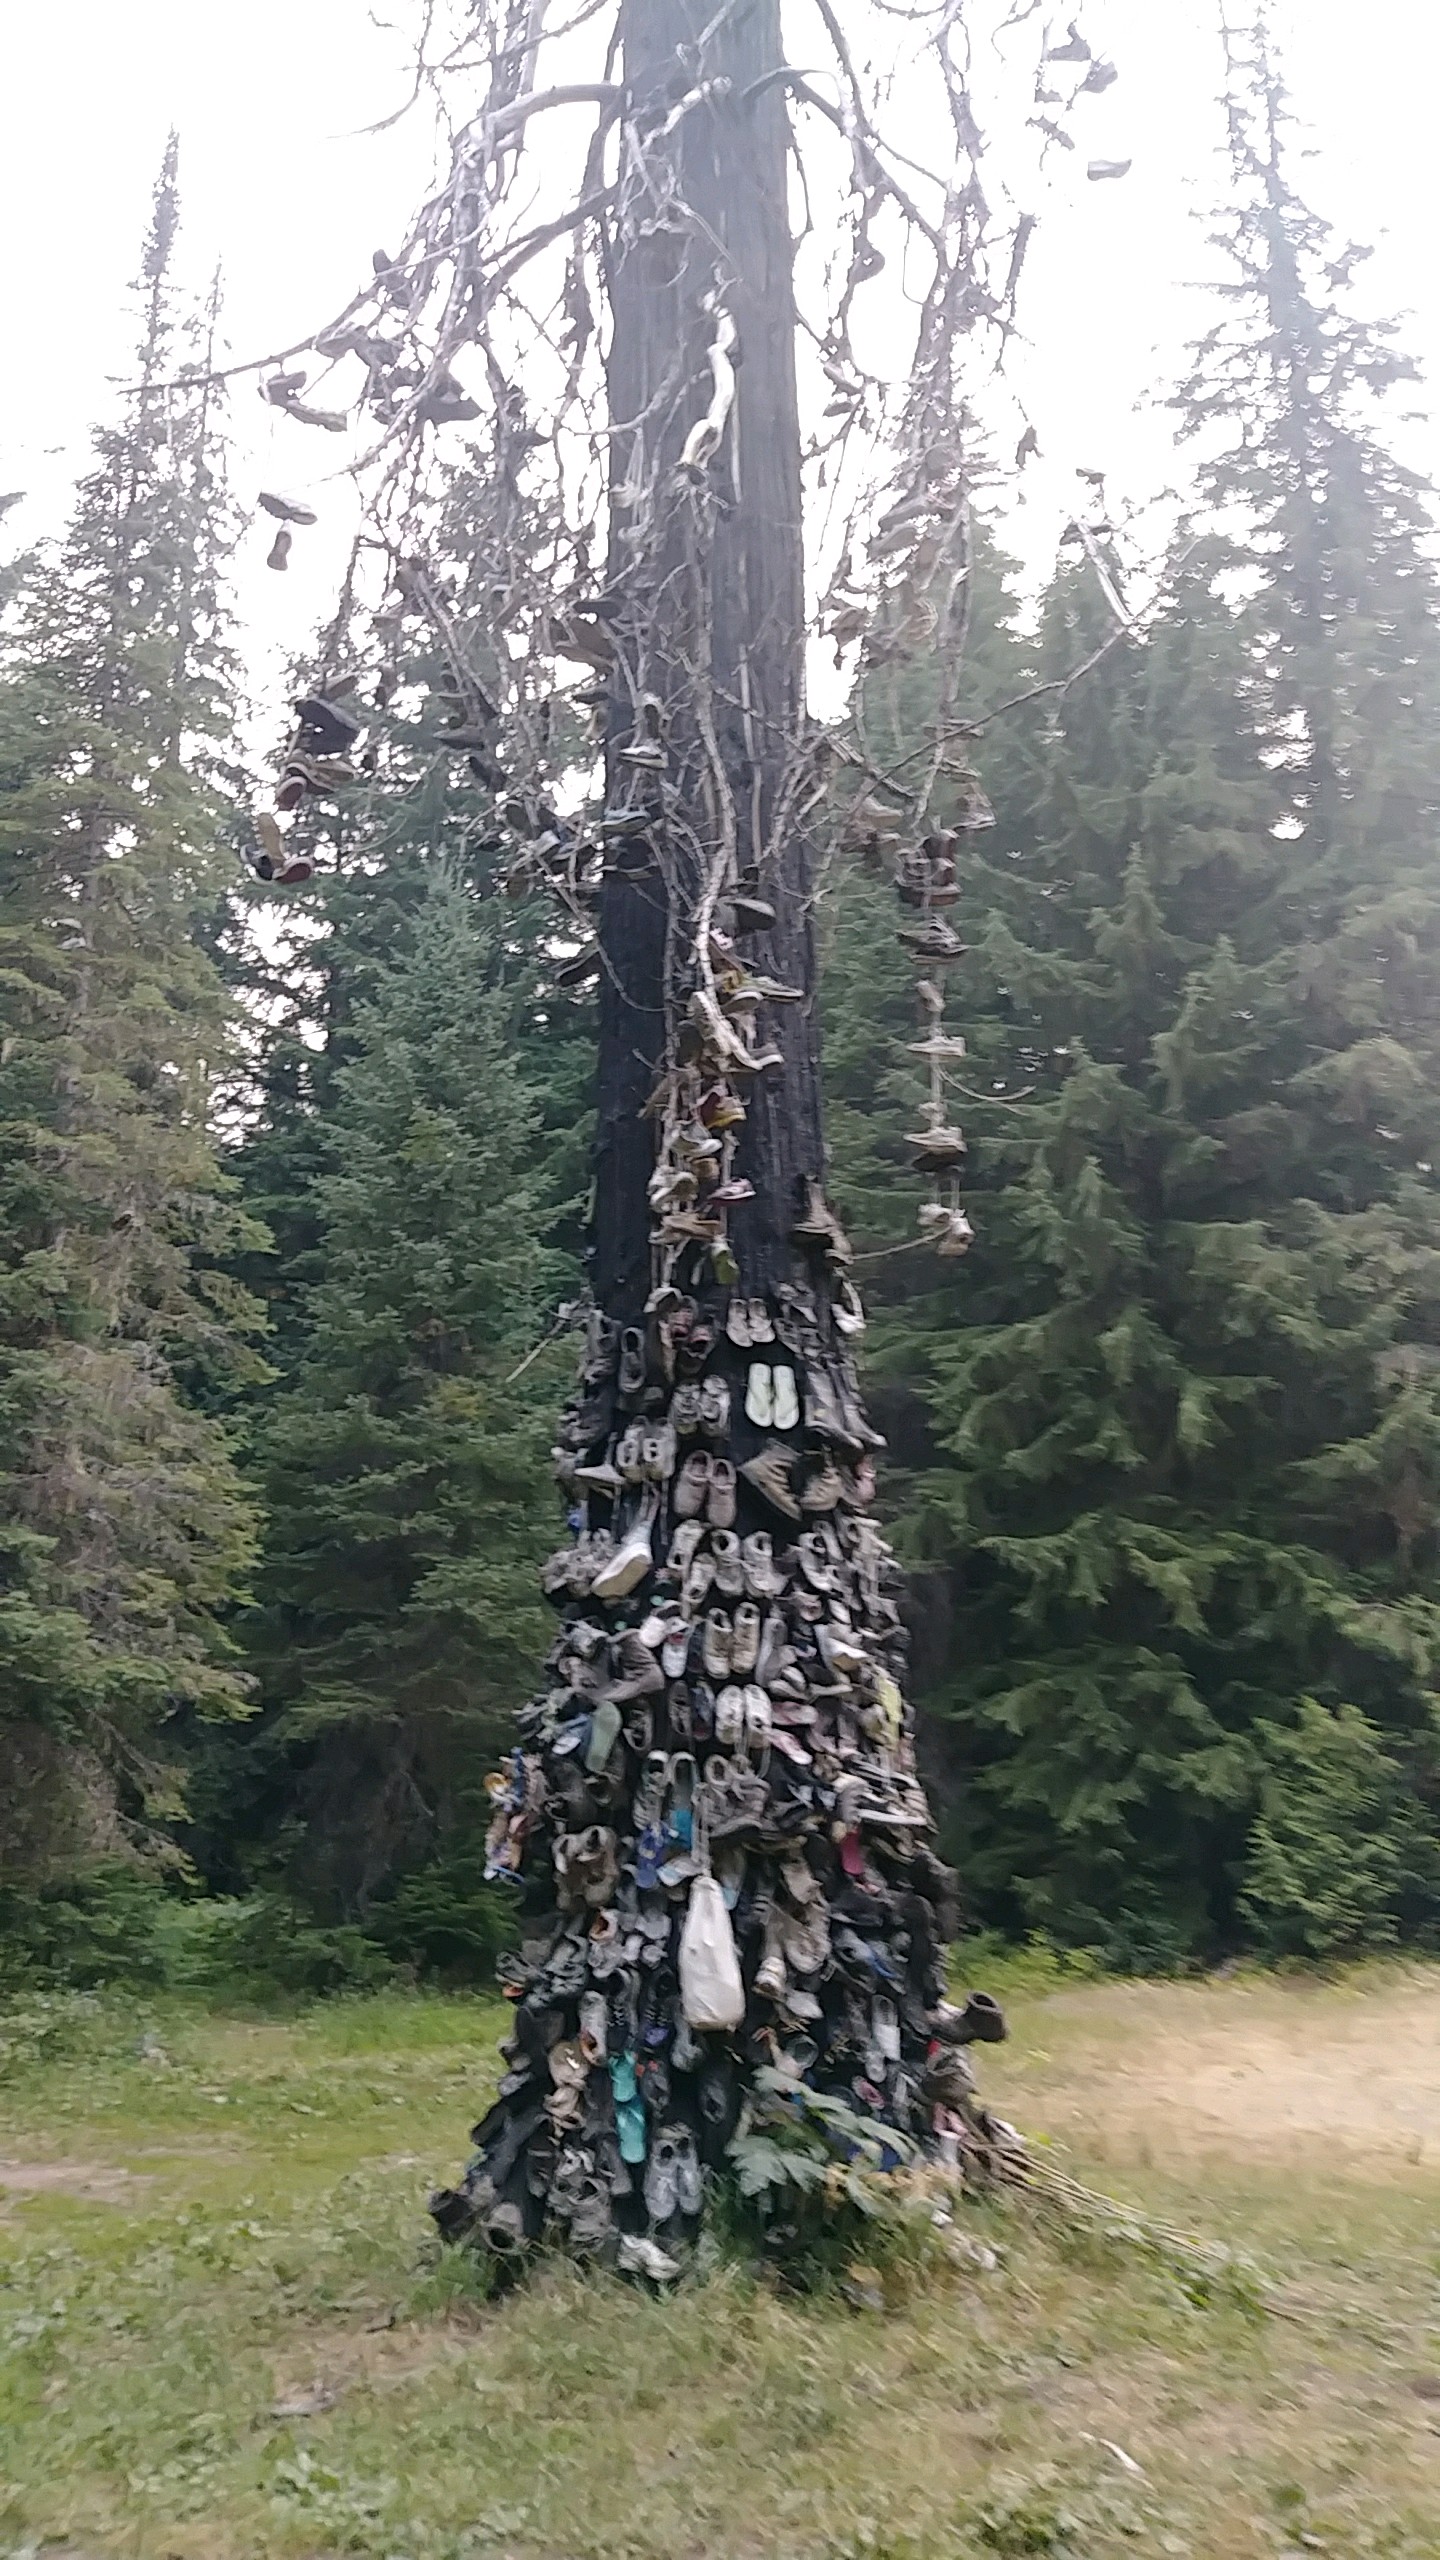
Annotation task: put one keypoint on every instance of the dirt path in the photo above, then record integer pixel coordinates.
(1273, 2071)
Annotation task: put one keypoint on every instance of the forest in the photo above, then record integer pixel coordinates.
(294, 1186)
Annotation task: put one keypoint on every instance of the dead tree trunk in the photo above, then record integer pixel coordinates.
(714, 1804)
(706, 587)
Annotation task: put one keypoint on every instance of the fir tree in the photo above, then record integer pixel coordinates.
(406, 1491)
(1185, 1379)
(124, 1531)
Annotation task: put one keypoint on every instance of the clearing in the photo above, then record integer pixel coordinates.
(223, 2336)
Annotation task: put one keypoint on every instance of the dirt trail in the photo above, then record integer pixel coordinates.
(94, 2180)
(1272, 2071)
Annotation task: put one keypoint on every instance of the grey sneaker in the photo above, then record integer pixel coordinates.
(662, 2192)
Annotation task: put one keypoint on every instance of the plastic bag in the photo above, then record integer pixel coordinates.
(711, 1991)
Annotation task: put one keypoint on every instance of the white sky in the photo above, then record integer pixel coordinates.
(281, 186)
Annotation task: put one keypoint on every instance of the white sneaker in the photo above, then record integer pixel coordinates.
(640, 2257)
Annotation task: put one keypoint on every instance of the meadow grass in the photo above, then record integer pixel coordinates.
(226, 2335)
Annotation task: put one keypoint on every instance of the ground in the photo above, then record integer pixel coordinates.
(223, 2335)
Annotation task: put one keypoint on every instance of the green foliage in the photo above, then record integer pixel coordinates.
(1339, 1852)
(125, 1532)
(406, 1492)
(1168, 1438)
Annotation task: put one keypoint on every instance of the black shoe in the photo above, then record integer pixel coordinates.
(326, 728)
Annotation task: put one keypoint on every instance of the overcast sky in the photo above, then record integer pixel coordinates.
(283, 188)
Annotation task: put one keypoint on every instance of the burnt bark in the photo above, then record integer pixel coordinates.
(706, 597)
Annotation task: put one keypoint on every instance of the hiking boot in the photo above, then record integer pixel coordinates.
(769, 1475)
(981, 2021)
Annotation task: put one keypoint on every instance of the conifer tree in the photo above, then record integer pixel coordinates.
(406, 1484)
(124, 1529)
(1185, 1381)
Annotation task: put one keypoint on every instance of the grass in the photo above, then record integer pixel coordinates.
(224, 2334)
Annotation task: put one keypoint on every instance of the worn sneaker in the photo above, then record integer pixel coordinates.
(637, 2256)
(932, 939)
(721, 1504)
(288, 510)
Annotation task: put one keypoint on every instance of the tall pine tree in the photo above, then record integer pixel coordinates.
(1181, 1486)
(407, 1495)
(124, 1529)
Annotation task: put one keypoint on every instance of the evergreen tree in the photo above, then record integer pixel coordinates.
(407, 1496)
(1185, 1380)
(401, 1775)
(124, 1530)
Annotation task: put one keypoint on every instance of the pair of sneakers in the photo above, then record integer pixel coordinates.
(747, 1322)
(705, 1488)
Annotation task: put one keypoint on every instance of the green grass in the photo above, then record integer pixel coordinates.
(206, 2217)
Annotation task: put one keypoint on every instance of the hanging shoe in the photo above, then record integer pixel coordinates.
(729, 1564)
(637, 2256)
(751, 914)
(1108, 169)
(326, 728)
(936, 1150)
(721, 1506)
(847, 1311)
(715, 1409)
(730, 1717)
(633, 1558)
(268, 863)
(278, 555)
(934, 939)
(816, 1223)
(745, 1640)
(956, 1237)
(763, 1581)
(647, 746)
(938, 1044)
(577, 972)
(288, 510)
(769, 1475)
(737, 1323)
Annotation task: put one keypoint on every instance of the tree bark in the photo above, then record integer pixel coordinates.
(714, 583)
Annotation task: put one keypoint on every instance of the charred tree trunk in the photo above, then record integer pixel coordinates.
(714, 1809)
(706, 582)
